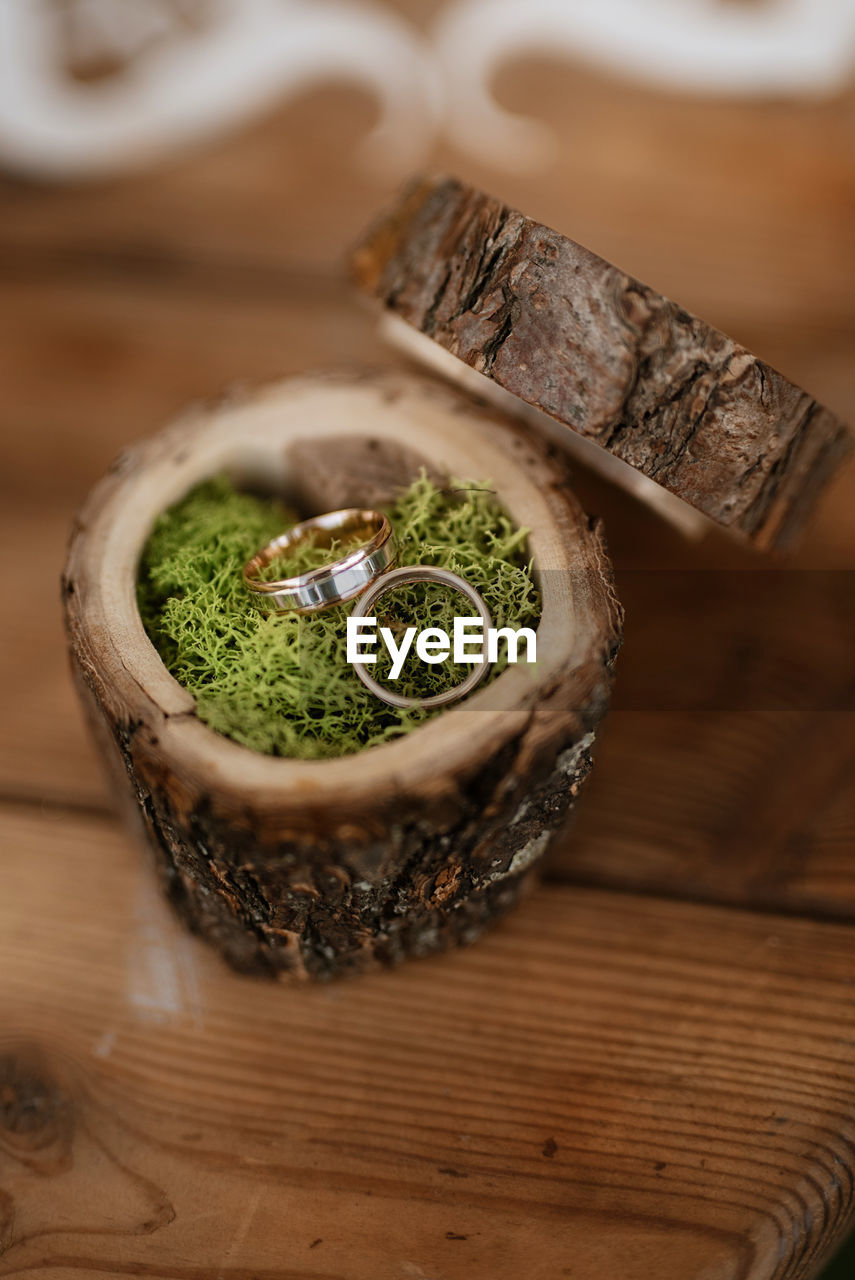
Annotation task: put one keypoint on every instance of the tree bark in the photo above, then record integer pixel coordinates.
(320, 867)
(571, 335)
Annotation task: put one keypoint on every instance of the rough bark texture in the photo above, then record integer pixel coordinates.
(324, 867)
(320, 906)
(606, 356)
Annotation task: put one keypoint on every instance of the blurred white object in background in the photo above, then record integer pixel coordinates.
(182, 71)
(159, 75)
(748, 48)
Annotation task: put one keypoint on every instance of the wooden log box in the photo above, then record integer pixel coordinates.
(319, 867)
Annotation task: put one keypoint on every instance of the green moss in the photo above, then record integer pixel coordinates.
(281, 685)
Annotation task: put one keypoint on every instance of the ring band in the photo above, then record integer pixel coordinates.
(401, 577)
(331, 584)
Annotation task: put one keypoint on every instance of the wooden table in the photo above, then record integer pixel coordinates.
(649, 1070)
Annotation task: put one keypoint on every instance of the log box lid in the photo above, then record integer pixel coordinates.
(639, 387)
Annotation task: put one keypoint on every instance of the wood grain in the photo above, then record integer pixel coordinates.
(755, 810)
(128, 349)
(595, 1036)
(605, 1083)
(58, 765)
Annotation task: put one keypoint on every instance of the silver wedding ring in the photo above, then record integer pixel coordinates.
(331, 584)
(403, 577)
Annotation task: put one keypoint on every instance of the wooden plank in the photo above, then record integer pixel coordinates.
(603, 1085)
(750, 808)
(725, 768)
(90, 365)
(45, 752)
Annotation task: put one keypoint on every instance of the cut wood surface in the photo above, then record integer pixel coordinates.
(595, 1035)
(601, 1086)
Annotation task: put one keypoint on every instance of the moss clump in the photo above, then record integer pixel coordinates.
(281, 685)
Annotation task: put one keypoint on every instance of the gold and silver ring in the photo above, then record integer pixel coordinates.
(367, 572)
(331, 584)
